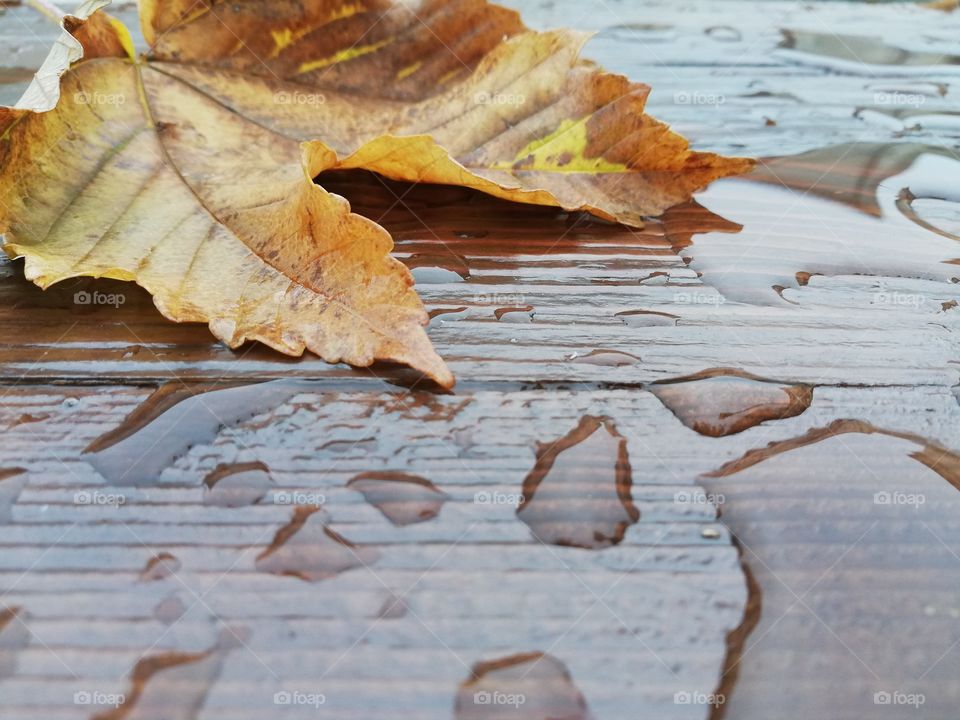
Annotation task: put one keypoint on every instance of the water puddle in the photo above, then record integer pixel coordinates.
(940, 215)
(172, 685)
(905, 121)
(159, 567)
(12, 482)
(437, 269)
(724, 401)
(527, 686)
(647, 318)
(846, 541)
(237, 484)
(14, 636)
(403, 499)
(605, 358)
(845, 210)
(578, 493)
(306, 548)
(175, 418)
(941, 460)
(860, 55)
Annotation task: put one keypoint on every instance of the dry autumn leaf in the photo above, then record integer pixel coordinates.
(190, 171)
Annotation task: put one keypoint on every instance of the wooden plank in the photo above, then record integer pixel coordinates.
(817, 270)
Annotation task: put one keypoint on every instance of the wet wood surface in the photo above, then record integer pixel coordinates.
(662, 406)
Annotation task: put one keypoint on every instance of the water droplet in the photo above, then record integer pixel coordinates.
(723, 401)
(605, 358)
(542, 681)
(443, 315)
(656, 278)
(578, 493)
(173, 419)
(236, 484)
(403, 499)
(394, 607)
(724, 33)
(306, 548)
(640, 32)
(12, 482)
(70, 403)
(160, 566)
(172, 685)
(520, 314)
(14, 636)
(647, 318)
(438, 269)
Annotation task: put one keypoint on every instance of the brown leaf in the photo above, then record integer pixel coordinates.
(502, 109)
(137, 176)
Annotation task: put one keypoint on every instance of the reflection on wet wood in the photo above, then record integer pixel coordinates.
(850, 533)
(308, 582)
(155, 514)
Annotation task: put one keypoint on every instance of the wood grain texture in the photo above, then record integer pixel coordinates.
(808, 272)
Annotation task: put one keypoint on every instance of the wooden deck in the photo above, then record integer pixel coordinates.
(781, 528)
